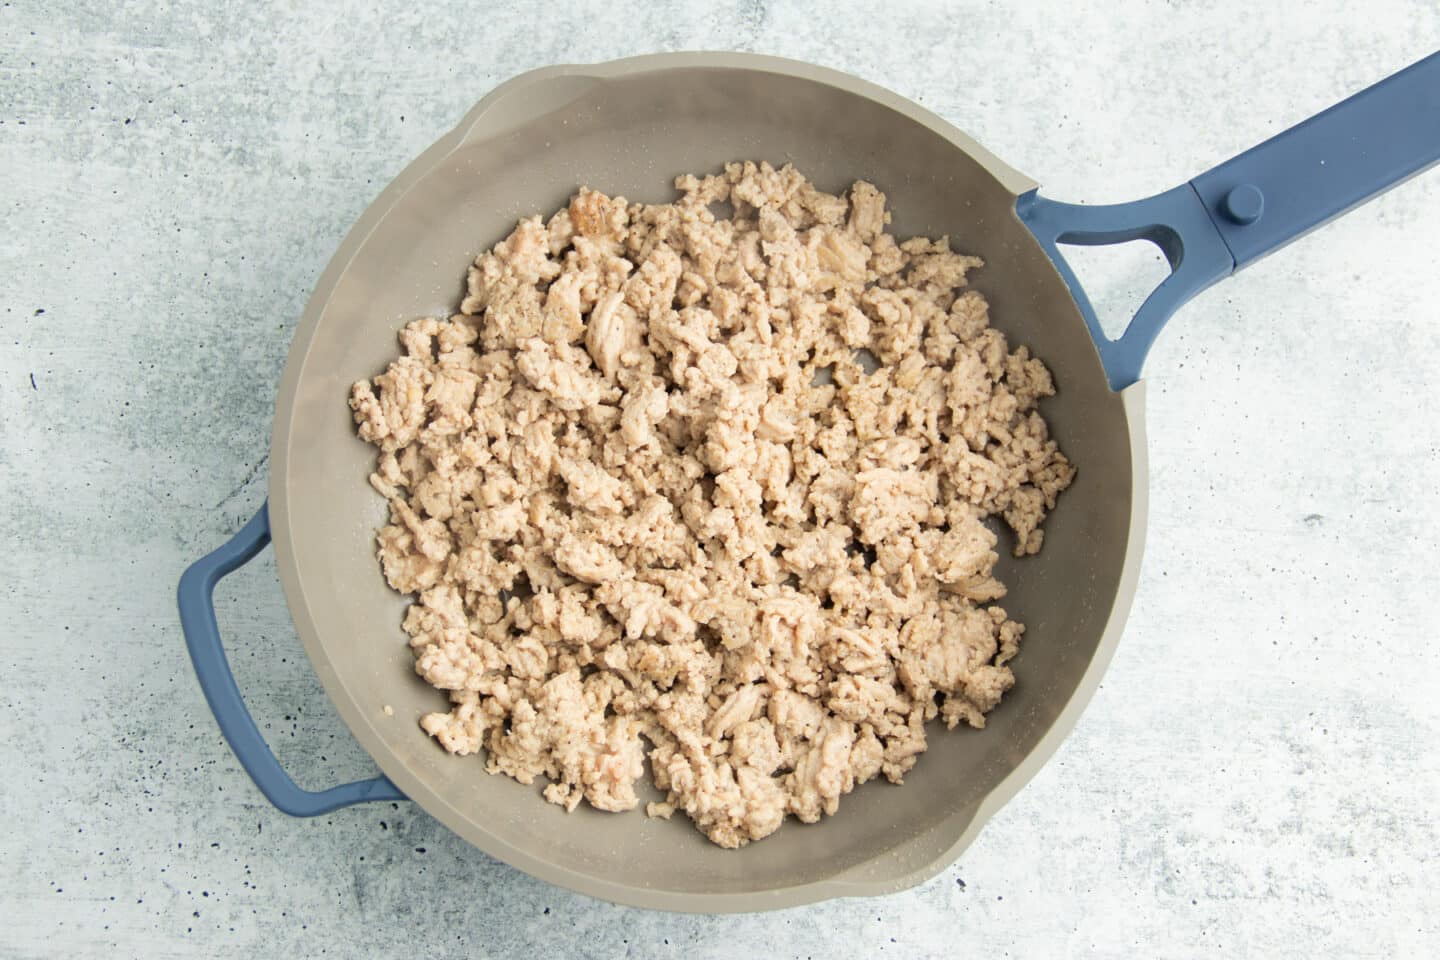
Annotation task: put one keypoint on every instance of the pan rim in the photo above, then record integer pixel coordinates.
(852, 882)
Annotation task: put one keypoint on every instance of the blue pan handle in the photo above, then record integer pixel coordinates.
(202, 636)
(1252, 205)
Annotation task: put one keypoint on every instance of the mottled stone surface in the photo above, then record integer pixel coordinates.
(1258, 774)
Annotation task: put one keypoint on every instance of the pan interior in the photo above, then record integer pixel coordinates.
(631, 134)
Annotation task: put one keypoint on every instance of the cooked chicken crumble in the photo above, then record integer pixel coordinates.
(654, 504)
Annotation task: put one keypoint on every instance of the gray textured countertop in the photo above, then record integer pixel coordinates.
(1259, 771)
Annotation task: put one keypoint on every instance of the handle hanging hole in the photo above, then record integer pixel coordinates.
(1117, 278)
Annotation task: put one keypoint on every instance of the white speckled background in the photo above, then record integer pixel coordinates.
(1258, 775)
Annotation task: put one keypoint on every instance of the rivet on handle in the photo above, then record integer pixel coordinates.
(1243, 204)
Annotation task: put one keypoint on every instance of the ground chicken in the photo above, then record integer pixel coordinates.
(712, 493)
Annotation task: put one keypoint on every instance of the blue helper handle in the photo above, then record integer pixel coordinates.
(202, 637)
(1252, 205)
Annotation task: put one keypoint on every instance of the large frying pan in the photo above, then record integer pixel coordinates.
(628, 127)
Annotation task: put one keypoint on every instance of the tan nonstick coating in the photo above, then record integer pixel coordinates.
(629, 127)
